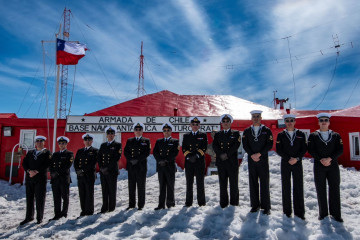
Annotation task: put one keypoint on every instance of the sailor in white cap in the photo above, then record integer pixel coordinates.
(60, 164)
(226, 144)
(257, 141)
(108, 158)
(291, 146)
(326, 146)
(136, 151)
(194, 146)
(84, 164)
(165, 151)
(35, 164)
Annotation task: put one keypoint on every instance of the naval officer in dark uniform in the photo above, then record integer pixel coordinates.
(35, 164)
(257, 141)
(194, 146)
(60, 164)
(84, 164)
(291, 146)
(165, 151)
(136, 151)
(108, 158)
(226, 144)
(326, 147)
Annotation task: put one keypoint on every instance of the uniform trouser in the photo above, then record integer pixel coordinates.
(60, 192)
(35, 190)
(108, 189)
(86, 193)
(198, 170)
(332, 175)
(167, 183)
(229, 173)
(136, 178)
(259, 171)
(296, 171)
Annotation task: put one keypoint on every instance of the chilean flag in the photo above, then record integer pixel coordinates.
(69, 53)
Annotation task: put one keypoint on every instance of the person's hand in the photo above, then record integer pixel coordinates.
(223, 156)
(32, 173)
(326, 161)
(292, 161)
(256, 157)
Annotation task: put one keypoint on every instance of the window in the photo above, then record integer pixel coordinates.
(27, 138)
(354, 146)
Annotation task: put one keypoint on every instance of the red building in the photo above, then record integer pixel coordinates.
(153, 110)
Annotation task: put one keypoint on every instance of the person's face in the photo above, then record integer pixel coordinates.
(88, 141)
(167, 132)
(226, 124)
(195, 126)
(138, 132)
(290, 123)
(39, 143)
(256, 119)
(62, 145)
(324, 123)
(110, 136)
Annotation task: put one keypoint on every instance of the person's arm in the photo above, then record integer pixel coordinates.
(339, 148)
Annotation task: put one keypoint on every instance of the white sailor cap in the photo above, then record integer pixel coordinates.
(63, 139)
(226, 116)
(87, 135)
(110, 129)
(195, 120)
(139, 125)
(323, 114)
(167, 125)
(39, 137)
(289, 116)
(256, 112)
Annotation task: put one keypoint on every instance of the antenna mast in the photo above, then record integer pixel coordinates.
(64, 68)
(141, 90)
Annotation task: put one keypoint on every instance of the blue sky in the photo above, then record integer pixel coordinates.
(191, 47)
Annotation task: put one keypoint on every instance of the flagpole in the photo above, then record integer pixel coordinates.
(56, 106)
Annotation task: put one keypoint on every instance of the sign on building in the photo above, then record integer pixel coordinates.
(93, 124)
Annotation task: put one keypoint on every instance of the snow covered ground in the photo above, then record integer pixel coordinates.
(209, 222)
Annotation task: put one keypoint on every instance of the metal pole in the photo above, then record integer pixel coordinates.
(55, 108)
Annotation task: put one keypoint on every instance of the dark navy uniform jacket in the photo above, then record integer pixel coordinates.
(166, 151)
(60, 164)
(228, 143)
(109, 155)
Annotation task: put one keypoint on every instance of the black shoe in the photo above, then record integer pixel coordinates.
(82, 214)
(187, 205)
(288, 215)
(39, 221)
(158, 208)
(302, 217)
(140, 208)
(321, 217)
(254, 209)
(338, 219)
(267, 212)
(64, 215)
(128, 208)
(55, 218)
(26, 220)
(203, 204)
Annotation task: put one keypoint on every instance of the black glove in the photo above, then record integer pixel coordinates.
(134, 161)
(163, 163)
(54, 175)
(223, 156)
(191, 157)
(80, 172)
(104, 171)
